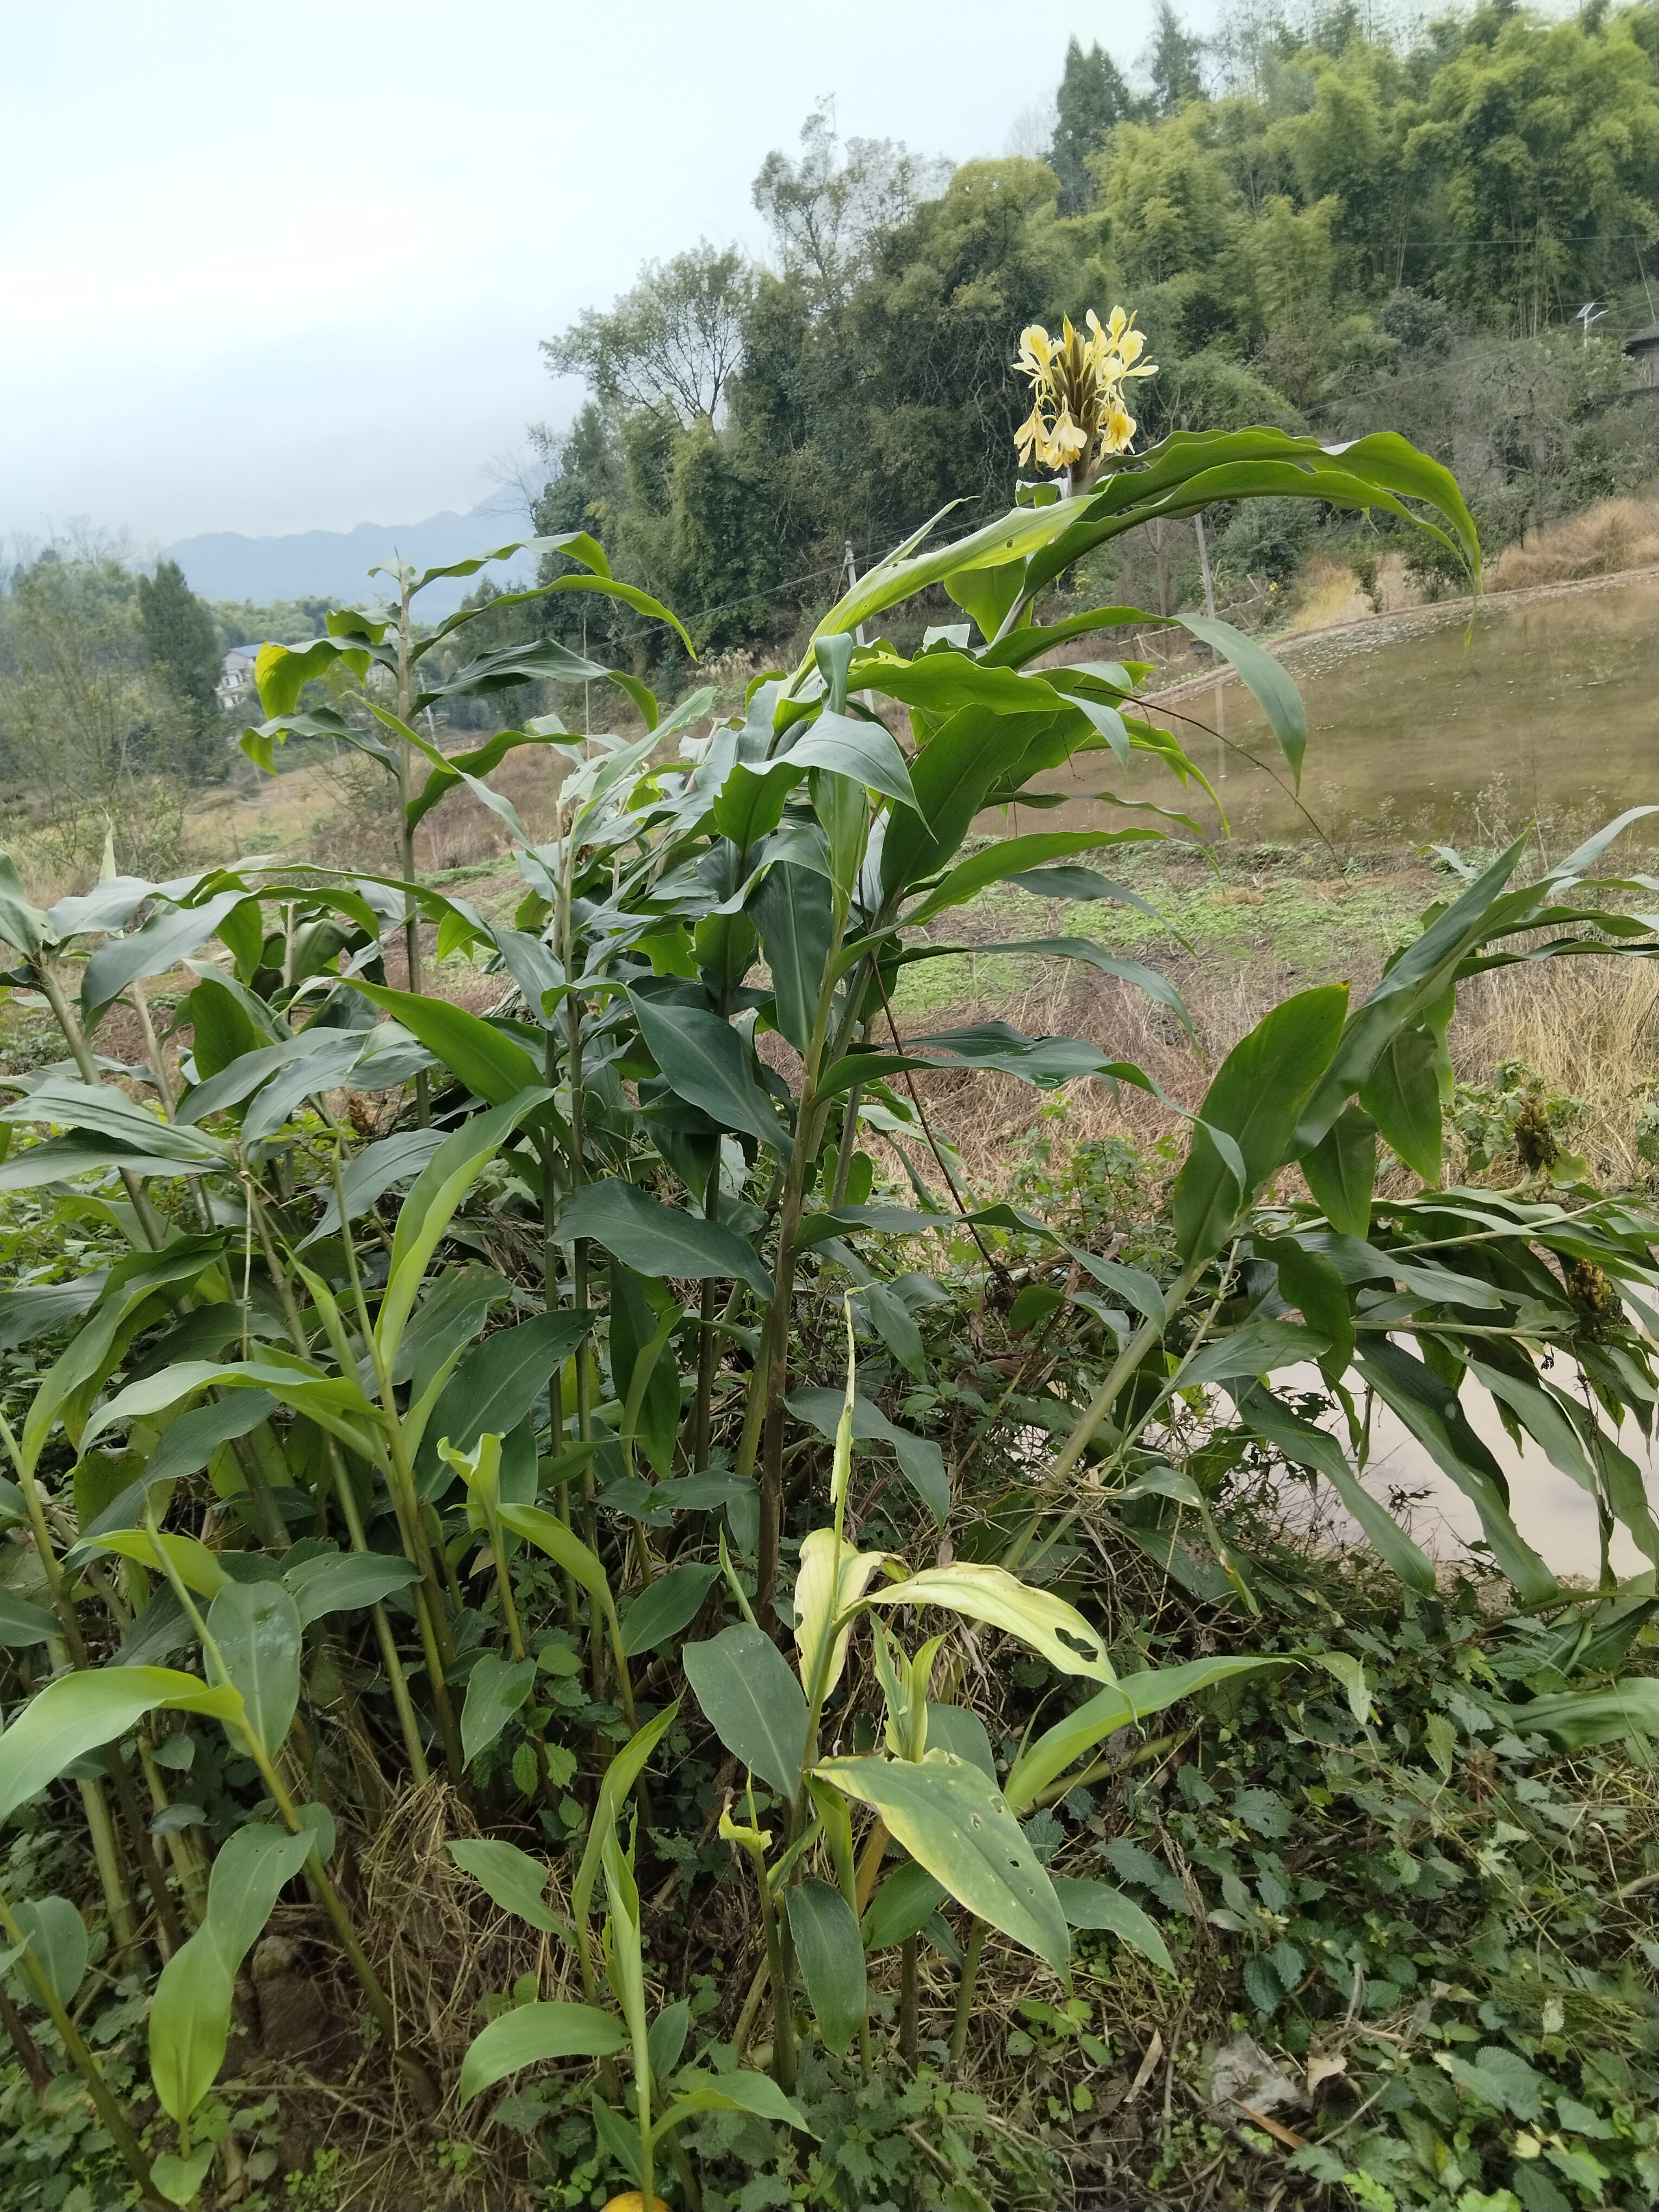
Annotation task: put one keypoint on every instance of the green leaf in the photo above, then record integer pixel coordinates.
(59, 1159)
(750, 1698)
(78, 1712)
(1016, 856)
(740, 2091)
(166, 939)
(1401, 1094)
(894, 1325)
(666, 2040)
(197, 1567)
(496, 1689)
(1350, 1674)
(22, 1624)
(1429, 1409)
(705, 1061)
(659, 1240)
(1097, 1905)
(963, 1735)
(499, 1381)
(256, 1626)
(792, 911)
(906, 1901)
(548, 1534)
(21, 923)
(108, 1112)
(865, 751)
(1036, 1616)
(1415, 981)
(1130, 1699)
(532, 2034)
(671, 1603)
(830, 1954)
(958, 1824)
(488, 1063)
(430, 1207)
(346, 1581)
(1255, 1349)
(1135, 972)
(179, 2178)
(190, 2015)
(620, 1777)
(57, 1935)
(920, 1460)
(1341, 1171)
(514, 1880)
(1258, 1090)
(1305, 1445)
(1268, 681)
(332, 1400)
(1574, 1719)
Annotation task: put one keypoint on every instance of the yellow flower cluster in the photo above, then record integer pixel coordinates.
(1078, 416)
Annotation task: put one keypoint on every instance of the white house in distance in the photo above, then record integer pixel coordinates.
(236, 677)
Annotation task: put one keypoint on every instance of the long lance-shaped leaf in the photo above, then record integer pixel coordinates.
(1429, 1407)
(1015, 857)
(78, 1712)
(532, 2034)
(705, 1061)
(492, 1065)
(659, 1240)
(1268, 680)
(1188, 471)
(1097, 1905)
(620, 1777)
(1132, 1698)
(190, 2015)
(1000, 1600)
(1413, 981)
(430, 1207)
(959, 1826)
(1306, 1446)
(750, 1698)
(333, 1401)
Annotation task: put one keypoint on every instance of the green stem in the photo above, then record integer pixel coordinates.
(909, 2029)
(126, 2144)
(783, 2023)
(322, 1886)
(149, 1220)
(965, 1993)
(1140, 1344)
(412, 923)
(143, 1843)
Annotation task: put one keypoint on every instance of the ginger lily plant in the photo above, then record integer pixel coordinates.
(289, 1418)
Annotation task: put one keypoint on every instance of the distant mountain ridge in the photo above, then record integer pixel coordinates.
(334, 564)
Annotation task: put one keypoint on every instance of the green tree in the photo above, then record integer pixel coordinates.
(1172, 62)
(1093, 97)
(671, 344)
(825, 210)
(182, 640)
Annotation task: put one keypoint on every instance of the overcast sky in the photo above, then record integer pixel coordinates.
(274, 267)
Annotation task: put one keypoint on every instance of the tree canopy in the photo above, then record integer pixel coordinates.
(1347, 230)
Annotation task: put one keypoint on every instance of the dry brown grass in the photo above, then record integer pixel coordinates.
(1614, 535)
(1590, 1028)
